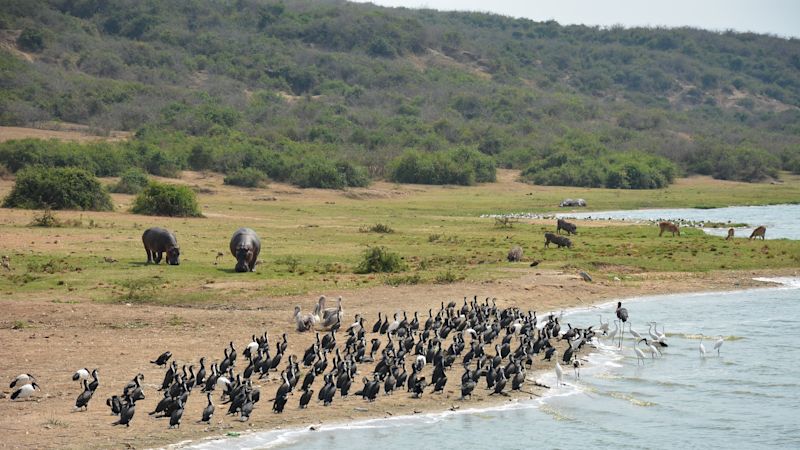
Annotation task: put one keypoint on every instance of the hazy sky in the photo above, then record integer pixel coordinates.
(779, 17)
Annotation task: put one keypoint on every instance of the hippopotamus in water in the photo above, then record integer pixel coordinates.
(245, 246)
(157, 241)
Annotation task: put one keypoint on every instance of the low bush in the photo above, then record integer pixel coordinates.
(132, 181)
(460, 166)
(57, 188)
(380, 260)
(160, 199)
(247, 177)
(377, 228)
(600, 168)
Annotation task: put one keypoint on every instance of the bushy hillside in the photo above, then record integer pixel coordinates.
(365, 83)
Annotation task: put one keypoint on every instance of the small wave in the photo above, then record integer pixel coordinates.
(706, 337)
(664, 383)
(555, 414)
(789, 282)
(631, 399)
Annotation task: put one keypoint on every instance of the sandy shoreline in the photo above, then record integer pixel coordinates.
(120, 339)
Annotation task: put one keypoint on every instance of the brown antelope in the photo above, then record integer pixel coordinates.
(759, 232)
(668, 226)
(730, 234)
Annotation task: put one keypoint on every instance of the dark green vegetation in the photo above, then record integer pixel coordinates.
(160, 199)
(246, 177)
(459, 166)
(577, 162)
(132, 181)
(211, 85)
(380, 260)
(57, 188)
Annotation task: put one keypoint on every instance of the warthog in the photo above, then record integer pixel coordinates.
(515, 254)
(759, 232)
(560, 241)
(668, 226)
(562, 224)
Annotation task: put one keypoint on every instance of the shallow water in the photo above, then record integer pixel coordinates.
(782, 221)
(745, 397)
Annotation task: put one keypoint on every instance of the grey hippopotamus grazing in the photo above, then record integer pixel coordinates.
(158, 241)
(245, 246)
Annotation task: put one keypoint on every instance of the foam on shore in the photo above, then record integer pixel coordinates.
(597, 362)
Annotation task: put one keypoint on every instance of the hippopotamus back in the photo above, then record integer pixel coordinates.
(157, 241)
(245, 247)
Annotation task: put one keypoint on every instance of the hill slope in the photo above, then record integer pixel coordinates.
(368, 82)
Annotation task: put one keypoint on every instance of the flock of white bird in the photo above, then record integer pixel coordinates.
(651, 346)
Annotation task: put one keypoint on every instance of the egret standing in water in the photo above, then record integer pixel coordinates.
(702, 348)
(718, 344)
(622, 315)
(559, 374)
(639, 353)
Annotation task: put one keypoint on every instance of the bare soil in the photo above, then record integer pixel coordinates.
(67, 132)
(56, 336)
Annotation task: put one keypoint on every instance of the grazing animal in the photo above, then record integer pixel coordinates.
(569, 227)
(515, 254)
(560, 241)
(668, 226)
(245, 247)
(730, 234)
(158, 241)
(758, 232)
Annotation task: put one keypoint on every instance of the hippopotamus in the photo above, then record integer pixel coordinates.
(245, 246)
(158, 241)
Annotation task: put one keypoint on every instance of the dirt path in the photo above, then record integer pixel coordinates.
(120, 339)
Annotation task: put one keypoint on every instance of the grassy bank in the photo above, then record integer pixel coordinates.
(314, 239)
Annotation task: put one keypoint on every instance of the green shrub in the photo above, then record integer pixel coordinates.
(247, 177)
(160, 199)
(379, 259)
(318, 171)
(31, 40)
(132, 181)
(740, 164)
(45, 219)
(597, 167)
(460, 166)
(58, 188)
